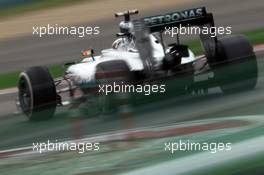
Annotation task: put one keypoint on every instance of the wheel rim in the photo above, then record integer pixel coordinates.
(24, 96)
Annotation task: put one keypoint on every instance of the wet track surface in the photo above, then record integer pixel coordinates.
(28, 51)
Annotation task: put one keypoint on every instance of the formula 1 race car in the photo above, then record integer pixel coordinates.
(141, 56)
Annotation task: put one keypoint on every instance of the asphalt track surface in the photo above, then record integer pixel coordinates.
(22, 52)
(26, 51)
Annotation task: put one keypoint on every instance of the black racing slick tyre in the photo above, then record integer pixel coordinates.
(37, 94)
(238, 66)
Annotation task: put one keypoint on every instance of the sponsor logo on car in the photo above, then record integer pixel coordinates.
(175, 16)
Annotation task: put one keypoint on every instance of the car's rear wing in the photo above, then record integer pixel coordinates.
(191, 17)
(160, 23)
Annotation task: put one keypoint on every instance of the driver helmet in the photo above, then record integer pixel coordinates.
(126, 27)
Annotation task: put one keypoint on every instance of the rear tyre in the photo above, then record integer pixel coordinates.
(37, 94)
(237, 70)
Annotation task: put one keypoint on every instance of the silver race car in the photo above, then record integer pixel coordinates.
(140, 55)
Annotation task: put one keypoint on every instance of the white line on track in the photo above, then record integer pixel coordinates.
(8, 91)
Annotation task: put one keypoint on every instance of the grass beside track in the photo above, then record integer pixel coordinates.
(10, 79)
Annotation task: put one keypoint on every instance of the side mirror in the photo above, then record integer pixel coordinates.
(88, 53)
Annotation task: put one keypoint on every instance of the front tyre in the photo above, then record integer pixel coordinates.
(37, 93)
